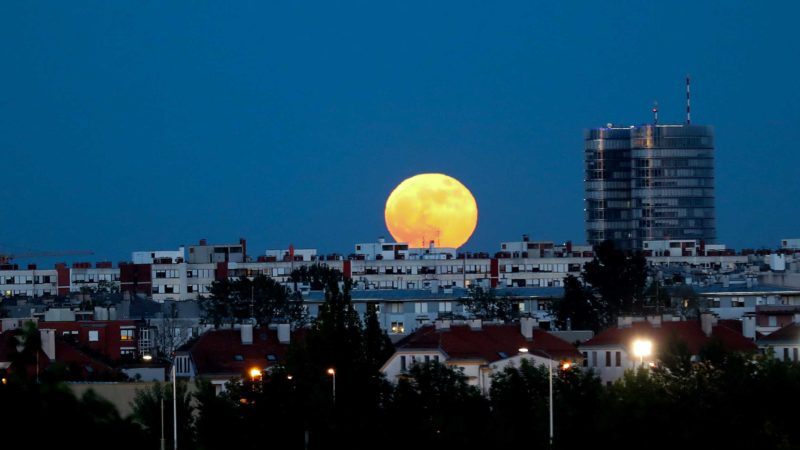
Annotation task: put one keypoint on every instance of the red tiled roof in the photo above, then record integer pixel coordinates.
(789, 333)
(461, 342)
(688, 331)
(214, 353)
(68, 354)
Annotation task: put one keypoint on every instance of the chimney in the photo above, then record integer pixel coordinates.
(525, 238)
(475, 324)
(48, 343)
(624, 321)
(749, 325)
(247, 333)
(442, 324)
(655, 321)
(707, 322)
(527, 324)
(284, 333)
(203, 242)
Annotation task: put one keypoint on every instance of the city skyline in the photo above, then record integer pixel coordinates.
(136, 128)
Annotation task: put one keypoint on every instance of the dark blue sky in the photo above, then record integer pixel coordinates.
(137, 125)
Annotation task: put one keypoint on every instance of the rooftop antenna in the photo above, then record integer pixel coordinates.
(655, 113)
(688, 101)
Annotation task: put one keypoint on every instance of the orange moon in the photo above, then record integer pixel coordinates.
(431, 207)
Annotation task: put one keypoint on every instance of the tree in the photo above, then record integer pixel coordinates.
(319, 276)
(676, 356)
(25, 352)
(520, 405)
(338, 339)
(168, 340)
(147, 412)
(618, 279)
(441, 407)
(378, 347)
(579, 307)
(657, 296)
(262, 299)
(485, 304)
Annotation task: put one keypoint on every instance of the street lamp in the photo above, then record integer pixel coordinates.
(332, 372)
(174, 408)
(642, 348)
(255, 373)
(525, 350)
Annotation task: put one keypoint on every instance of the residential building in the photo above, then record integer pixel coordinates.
(784, 343)
(222, 355)
(478, 348)
(612, 351)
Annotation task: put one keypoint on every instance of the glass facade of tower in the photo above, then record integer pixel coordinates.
(669, 173)
(607, 184)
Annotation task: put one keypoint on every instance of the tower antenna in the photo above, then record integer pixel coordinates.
(655, 113)
(688, 100)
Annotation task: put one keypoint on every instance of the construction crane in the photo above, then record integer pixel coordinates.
(5, 258)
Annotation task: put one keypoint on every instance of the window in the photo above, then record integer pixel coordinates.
(585, 359)
(618, 357)
(436, 358)
(794, 354)
(127, 351)
(427, 359)
(403, 363)
(398, 328)
(773, 321)
(94, 335)
(608, 359)
(396, 308)
(420, 308)
(238, 357)
(594, 359)
(445, 307)
(126, 334)
(785, 353)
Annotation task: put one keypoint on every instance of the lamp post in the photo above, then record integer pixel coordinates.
(332, 372)
(174, 408)
(567, 365)
(642, 348)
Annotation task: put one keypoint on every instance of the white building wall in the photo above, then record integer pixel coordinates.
(31, 283)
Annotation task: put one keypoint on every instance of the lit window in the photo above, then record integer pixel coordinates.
(126, 334)
(398, 328)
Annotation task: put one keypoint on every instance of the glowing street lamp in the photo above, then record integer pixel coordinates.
(642, 348)
(255, 373)
(332, 372)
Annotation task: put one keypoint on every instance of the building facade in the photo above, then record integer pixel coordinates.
(649, 182)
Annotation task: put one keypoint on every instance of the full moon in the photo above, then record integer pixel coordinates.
(431, 207)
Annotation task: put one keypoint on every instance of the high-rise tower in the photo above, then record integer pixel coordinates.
(649, 182)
